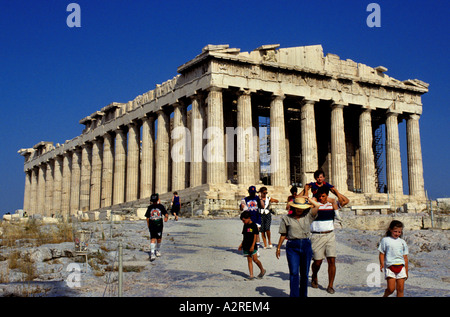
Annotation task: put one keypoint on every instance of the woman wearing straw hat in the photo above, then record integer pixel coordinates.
(296, 228)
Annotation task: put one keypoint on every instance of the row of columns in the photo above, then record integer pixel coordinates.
(116, 168)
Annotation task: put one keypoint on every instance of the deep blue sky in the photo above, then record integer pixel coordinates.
(52, 75)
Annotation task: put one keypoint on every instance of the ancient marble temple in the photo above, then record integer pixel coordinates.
(231, 119)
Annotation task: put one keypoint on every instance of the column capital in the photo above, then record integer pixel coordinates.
(278, 96)
(414, 116)
(392, 114)
(214, 88)
(338, 104)
(305, 102)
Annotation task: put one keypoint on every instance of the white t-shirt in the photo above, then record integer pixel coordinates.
(394, 250)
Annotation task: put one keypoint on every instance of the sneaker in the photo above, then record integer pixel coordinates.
(158, 253)
(152, 257)
(270, 246)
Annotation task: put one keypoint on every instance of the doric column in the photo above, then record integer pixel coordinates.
(245, 139)
(57, 184)
(393, 160)
(133, 162)
(309, 159)
(85, 178)
(34, 191)
(119, 167)
(367, 162)
(107, 170)
(147, 163)
(27, 192)
(96, 174)
(338, 148)
(66, 182)
(41, 189)
(197, 126)
(49, 189)
(415, 167)
(278, 166)
(75, 181)
(215, 148)
(181, 147)
(162, 154)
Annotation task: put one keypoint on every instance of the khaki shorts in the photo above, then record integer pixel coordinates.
(323, 245)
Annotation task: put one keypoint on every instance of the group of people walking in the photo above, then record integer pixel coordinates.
(308, 228)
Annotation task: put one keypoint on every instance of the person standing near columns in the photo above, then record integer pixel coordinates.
(319, 176)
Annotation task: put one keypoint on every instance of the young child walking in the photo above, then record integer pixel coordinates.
(156, 214)
(394, 259)
(249, 246)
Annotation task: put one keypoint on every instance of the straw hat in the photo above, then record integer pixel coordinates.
(300, 202)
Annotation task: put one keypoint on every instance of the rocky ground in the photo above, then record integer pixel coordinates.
(200, 259)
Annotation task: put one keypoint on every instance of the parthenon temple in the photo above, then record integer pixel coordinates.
(231, 119)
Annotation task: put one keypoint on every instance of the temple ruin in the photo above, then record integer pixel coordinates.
(231, 119)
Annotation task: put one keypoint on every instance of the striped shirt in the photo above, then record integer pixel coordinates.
(325, 218)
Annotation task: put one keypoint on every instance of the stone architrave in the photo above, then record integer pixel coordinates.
(338, 148)
(415, 166)
(309, 159)
(278, 166)
(367, 163)
(393, 160)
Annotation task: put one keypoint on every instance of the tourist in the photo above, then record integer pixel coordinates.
(319, 176)
(394, 259)
(323, 238)
(296, 228)
(266, 216)
(176, 205)
(249, 246)
(293, 191)
(252, 204)
(155, 213)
